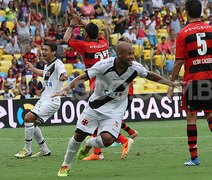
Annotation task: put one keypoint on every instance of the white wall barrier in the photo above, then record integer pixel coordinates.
(144, 107)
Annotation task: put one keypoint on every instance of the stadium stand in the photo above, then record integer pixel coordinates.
(143, 54)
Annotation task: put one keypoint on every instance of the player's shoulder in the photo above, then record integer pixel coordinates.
(58, 62)
(183, 31)
(193, 27)
(106, 62)
(135, 64)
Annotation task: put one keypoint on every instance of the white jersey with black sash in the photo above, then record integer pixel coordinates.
(51, 83)
(111, 88)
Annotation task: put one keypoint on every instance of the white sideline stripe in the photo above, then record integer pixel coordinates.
(146, 138)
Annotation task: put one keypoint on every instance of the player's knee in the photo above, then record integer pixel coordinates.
(80, 135)
(107, 139)
(29, 118)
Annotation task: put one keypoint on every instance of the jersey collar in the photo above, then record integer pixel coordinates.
(52, 62)
(114, 65)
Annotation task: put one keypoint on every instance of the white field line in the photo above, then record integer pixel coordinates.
(145, 138)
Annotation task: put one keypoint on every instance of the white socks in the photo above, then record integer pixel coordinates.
(40, 140)
(73, 147)
(95, 142)
(29, 131)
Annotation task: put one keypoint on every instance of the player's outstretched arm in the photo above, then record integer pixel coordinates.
(175, 73)
(82, 78)
(159, 79)
(34, 69)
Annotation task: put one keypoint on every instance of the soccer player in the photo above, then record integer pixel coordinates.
(53, 75)
(107, 105)
(126, 142)
(194, 50)
(93, 49)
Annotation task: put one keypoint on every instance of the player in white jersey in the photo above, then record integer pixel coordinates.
(107, 105)
(54, 74)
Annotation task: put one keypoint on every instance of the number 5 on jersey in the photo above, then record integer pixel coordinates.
(201, 43)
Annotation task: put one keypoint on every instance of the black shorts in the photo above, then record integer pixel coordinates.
(197, 96)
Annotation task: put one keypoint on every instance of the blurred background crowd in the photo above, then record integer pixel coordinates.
(151, 25)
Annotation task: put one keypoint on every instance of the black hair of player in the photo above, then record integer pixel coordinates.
(151, 16)
(193, 8)
(92, 30)
(52, 46)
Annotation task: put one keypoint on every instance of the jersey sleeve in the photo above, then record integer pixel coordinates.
(141, 70)
(95, 70)
(180, 47)
(60, 68)
(77, 45)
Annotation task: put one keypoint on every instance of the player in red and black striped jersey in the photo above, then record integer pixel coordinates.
(93, 49)
(194, 50)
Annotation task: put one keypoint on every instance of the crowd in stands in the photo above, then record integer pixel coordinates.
(151, 25)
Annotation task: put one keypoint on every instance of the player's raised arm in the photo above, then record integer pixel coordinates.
(69, 32)
(34, 69)
(82, 78)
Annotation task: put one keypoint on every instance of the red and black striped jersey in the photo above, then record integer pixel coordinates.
(194, 46)
(92, 52)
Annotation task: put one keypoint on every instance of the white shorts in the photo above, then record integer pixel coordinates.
(44, 109)
(90, 119)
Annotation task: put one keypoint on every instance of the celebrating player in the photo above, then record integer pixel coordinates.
(126, 142)
(107, 105)
(93, 49)
(194, 50)
(53, 75)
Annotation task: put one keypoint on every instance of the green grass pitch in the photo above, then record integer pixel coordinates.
(158, 154)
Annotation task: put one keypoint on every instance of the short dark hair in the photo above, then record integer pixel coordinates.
(52, 46)
(193, 8)
(92, 30)
(151, 15)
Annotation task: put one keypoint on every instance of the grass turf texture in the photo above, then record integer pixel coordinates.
(158, 153)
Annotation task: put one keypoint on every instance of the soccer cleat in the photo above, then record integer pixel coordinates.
(126, 147)
(82, 153)
(23, 153)
(133, 136)
(41, 154)
(191, 162)
(93, 157)
(63, 172)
